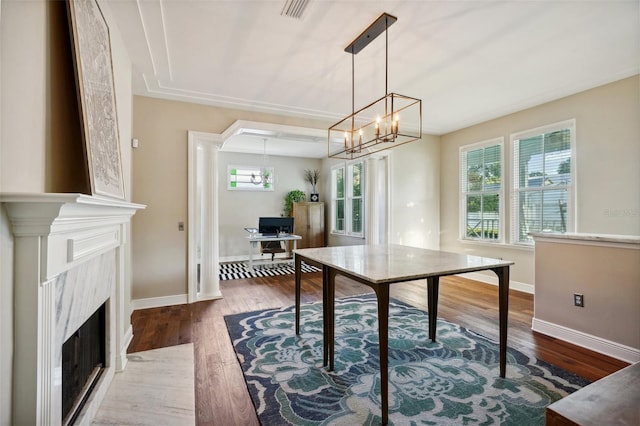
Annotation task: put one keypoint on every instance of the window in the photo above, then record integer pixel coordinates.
(481, 191)
(542, 198)
(338, 199)
(250, 178)
(347, 194)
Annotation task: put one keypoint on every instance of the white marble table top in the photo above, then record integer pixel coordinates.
(392, 263)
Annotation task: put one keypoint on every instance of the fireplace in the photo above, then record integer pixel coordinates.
(83, 361)
(70, 265)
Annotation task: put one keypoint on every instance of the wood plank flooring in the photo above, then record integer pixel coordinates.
(221, 394)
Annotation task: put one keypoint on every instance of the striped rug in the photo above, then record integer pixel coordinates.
(239, 270)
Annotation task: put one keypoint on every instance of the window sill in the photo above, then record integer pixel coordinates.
(525, 247)
(342, 234)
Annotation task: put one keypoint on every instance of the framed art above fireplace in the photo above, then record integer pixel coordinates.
(96, 96)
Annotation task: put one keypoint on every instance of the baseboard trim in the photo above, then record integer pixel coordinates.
(513, 285)
(121, 363)
(594, 343)
(256, 258)
(158, 302)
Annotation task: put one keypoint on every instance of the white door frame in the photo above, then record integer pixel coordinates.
(203, 243)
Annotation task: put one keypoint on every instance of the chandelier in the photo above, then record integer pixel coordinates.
(265, 177)
(390, 121)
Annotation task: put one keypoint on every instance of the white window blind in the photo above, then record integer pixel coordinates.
(543, 176)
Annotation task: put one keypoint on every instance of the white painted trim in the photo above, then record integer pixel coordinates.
(594, 343)
(198, 142)
(238, 258)
(121, 362)
(513, 285)
(158, 302)
(245, 258)
(79, 246)
(601, 240)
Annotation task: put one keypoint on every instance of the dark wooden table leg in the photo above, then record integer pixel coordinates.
(298, 274)
(331, 313)
(433, 284)
(382, 292)
(325, 315)
(503, 303)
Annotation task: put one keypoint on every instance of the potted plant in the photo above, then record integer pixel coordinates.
(294, 196)
(312, 176)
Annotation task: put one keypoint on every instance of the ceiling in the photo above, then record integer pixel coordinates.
(469, 61)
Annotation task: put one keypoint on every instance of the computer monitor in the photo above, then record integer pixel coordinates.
(275, 225)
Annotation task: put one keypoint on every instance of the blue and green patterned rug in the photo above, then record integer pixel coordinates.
(454, 381)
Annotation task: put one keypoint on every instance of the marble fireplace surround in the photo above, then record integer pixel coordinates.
(69, 258)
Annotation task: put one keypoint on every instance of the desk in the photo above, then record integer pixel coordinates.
(254, 239)
(379, 266)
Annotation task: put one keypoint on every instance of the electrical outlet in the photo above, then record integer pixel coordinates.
(578, 300)
(180, 226)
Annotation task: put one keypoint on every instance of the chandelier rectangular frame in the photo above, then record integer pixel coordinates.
(376, 127)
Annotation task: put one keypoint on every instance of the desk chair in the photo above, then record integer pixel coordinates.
(272, 247)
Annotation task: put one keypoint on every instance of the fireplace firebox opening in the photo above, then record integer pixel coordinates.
(83, 361)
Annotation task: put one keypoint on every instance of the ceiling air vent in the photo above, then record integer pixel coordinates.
(294, 8)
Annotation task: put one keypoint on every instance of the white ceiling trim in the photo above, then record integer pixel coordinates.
(164, 39)
(161, 89)
(283, 140)
(152, 17)
(146, 37)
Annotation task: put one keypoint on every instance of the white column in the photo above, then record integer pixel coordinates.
(372, 235)
(209, 280)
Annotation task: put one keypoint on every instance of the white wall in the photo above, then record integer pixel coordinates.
(414, 180)
(240, 209)
(607, 159)
(415, 194)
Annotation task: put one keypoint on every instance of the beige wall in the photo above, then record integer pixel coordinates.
(24, 96)
(607, 274)
(160, 182)
(607, 158)
(39, 129)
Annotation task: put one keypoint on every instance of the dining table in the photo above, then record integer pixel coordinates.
(379, 266)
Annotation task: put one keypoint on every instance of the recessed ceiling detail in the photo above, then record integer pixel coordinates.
(289, 141)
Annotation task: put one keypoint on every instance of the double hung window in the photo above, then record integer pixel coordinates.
(542, 198)
(481, 191)
(347, 199)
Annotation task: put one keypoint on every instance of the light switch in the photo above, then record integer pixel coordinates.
(180, 226)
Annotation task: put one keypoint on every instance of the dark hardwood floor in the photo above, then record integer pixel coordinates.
(221, 394)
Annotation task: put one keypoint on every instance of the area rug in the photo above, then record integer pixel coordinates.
(454, 381)
(239, 270)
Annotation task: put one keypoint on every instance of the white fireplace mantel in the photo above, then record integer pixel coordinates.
(69, 258)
